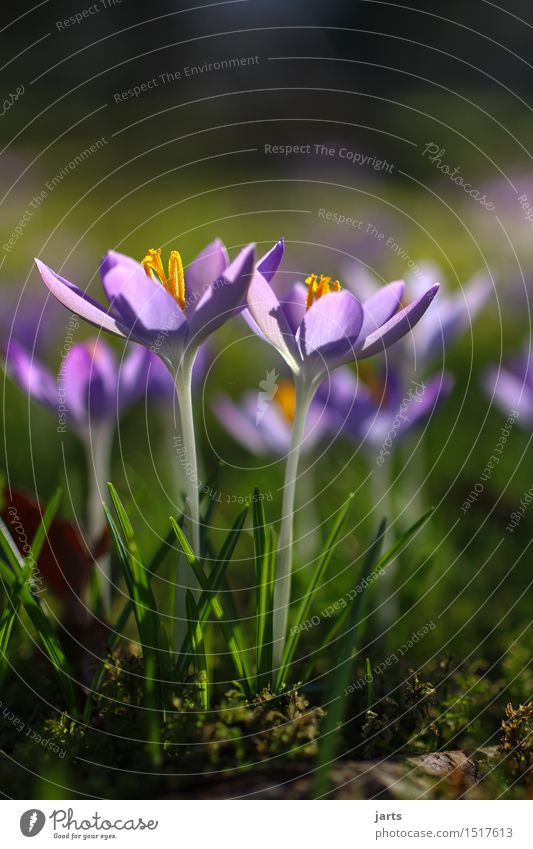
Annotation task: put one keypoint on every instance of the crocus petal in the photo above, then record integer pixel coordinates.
(143, 305)
(112, 283)
(426, 396)
(270, 421)
(381, 306)
(264, 269)
(396, 327)
(208, 266)
(240, 426)
(223, 299)
(267, 315)
(32, 377)
(511, 393)
(468, 303)
(90, 381)
(293, 305)
(330, 329)
(133, 374)
(78, 302)
(416, 408)
(269, 262)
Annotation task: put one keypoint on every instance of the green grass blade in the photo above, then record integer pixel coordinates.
(259, 531)
(196, 638)
(11, 553)
(138, 582)
(208, 601)
(337, 708)
(40, 535)
(114, 638)
(320, 568)
(402, 541)
(265, 570)
(369, 678)
(19, 594)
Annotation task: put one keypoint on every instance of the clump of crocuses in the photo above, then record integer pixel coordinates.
(316, 327)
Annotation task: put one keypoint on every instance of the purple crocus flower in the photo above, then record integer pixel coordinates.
(90, 390)
(320, 327)
(380, 411)
(511, 387)
(317, 329)
(27, 319)
(170, 310)
(88, 394)
(265, 429)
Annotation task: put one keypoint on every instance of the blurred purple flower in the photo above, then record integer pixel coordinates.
(267, 432)
(382, 406)
(28, 319)
(90, 390)
(511, 387)
(449, 319)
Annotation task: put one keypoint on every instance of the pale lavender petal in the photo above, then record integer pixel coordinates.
(330, 328)
(159, 381)
(271, 421)
(143, 304)
(419, 402)
(396, 327)
(202, 362)
(293, 305)
(110, 261)
(269, 262)
(78, 302)
(31, 375)
(207, 267)
(238, 423)
(452, 316)
(381, 306)
(223, 299)
(133, 374)
(90, 382)
(511, 393)
(264, 270)
(317, 425)
(426, 397)
(267, 314)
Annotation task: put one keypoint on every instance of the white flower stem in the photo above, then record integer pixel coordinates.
(282, 583)
(186, 456)
(98, 453)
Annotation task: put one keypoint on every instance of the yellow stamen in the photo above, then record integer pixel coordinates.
(174, 281)
(285, 397)
(176, 278)
(317, 287)
(311, 286)
(152, 264)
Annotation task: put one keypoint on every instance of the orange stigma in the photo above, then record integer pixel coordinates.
(318, 286)
(174, 280)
